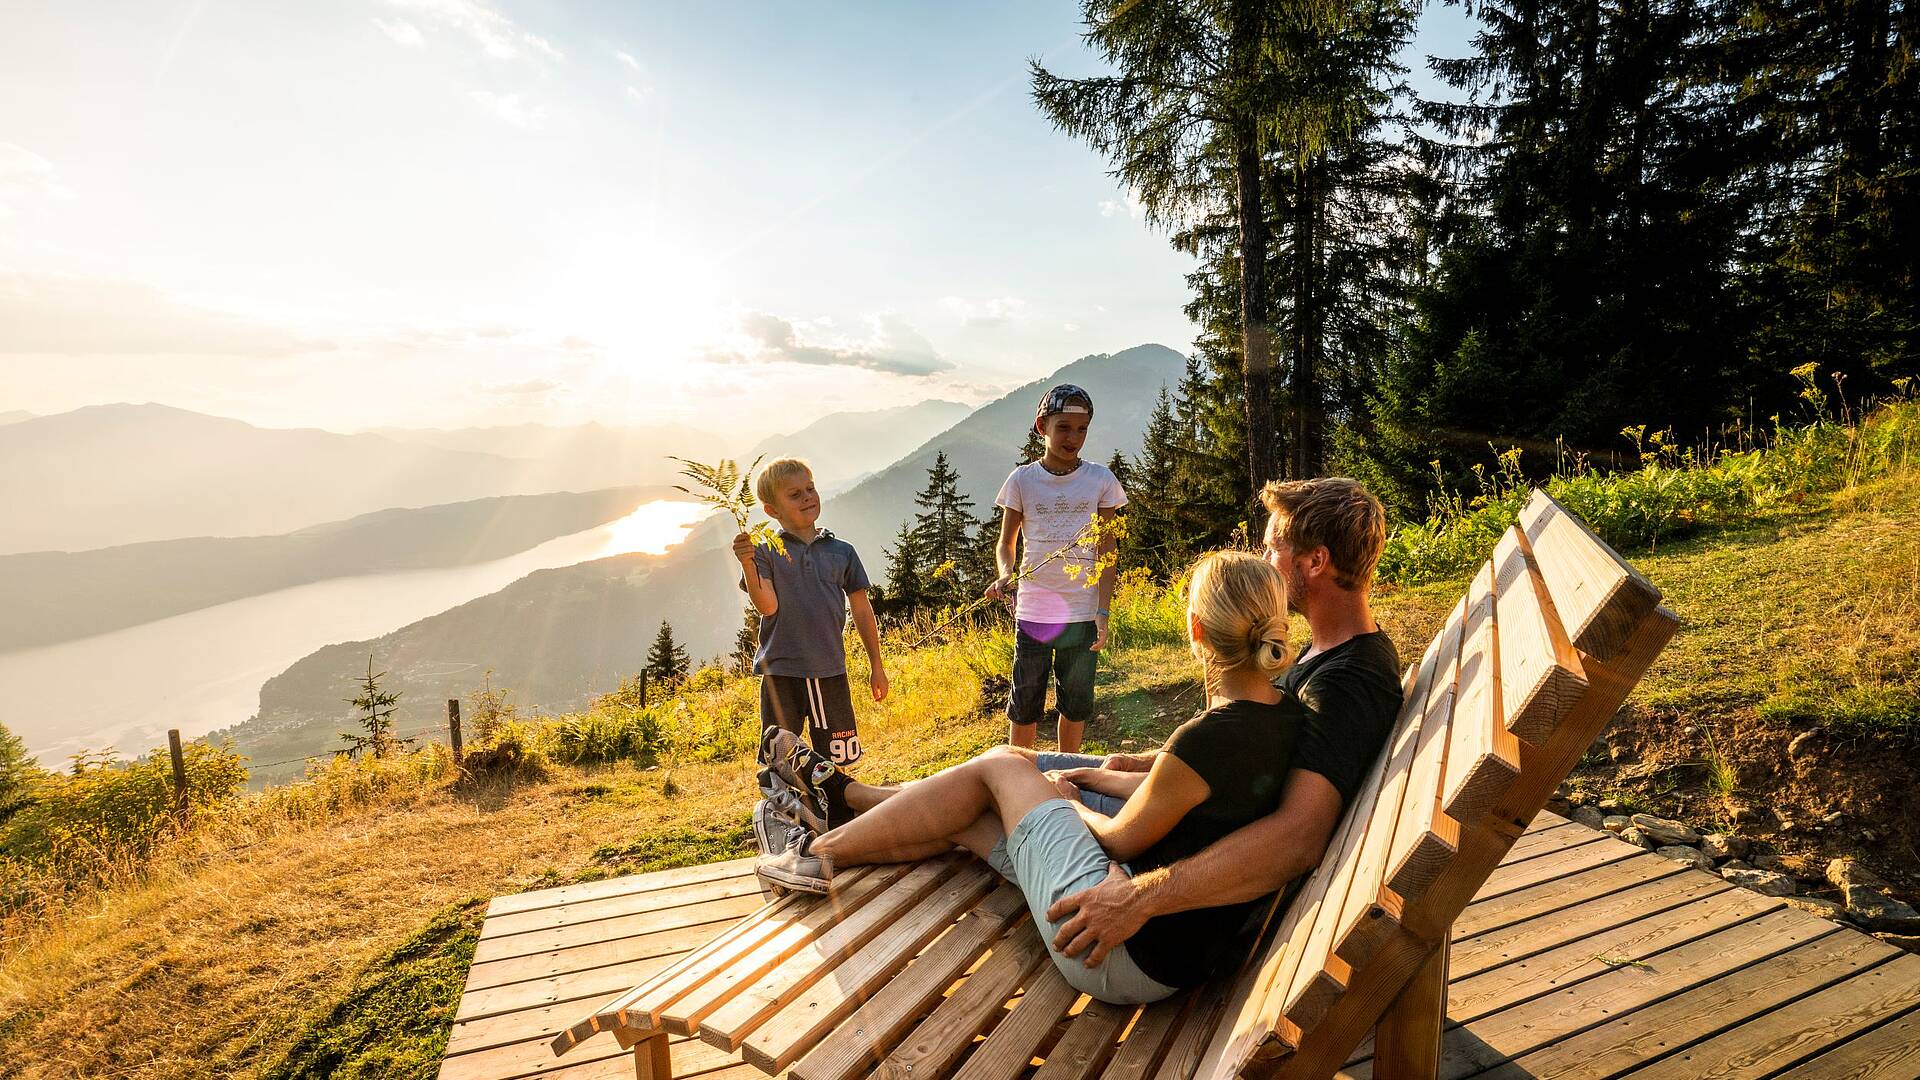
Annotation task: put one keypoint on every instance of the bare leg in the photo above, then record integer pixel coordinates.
(864, 797)
(939, 808)
(978, 838)
(1070, 734)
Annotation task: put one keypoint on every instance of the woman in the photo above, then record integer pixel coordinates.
(1219, 771)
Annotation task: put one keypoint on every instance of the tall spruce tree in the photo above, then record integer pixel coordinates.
(941, 533)
(746, 641)
(19, 775)
(668, 664)
(906, 590)
(1033, 449)
(375, 705)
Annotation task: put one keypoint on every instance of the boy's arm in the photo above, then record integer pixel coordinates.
(1006, 552)
(759, 589)
(869, 628)
(1105, 515)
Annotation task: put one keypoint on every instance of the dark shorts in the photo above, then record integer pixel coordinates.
(1058, 652)
(819, 709)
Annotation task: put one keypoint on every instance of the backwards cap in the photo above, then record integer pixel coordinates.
(1065, 398)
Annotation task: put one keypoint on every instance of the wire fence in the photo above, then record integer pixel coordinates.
(336, 753)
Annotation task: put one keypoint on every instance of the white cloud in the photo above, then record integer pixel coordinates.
(627, 59)
(639, 96)
(512, 108)
(1128, 205)
(64, 315)
(27, 184)
(496, 35)
(890, 345)
(403, 33)
(997, 311)
(1071, 328)
(524, 388)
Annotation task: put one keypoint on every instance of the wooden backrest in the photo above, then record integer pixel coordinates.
(1496, 712)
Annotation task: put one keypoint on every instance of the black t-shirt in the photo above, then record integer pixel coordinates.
(1352, 696)
(1243, 750)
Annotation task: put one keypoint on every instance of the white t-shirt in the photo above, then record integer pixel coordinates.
(1057, 511)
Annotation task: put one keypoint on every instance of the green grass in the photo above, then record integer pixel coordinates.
(394, 1022)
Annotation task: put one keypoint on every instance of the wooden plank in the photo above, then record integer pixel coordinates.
(652, 1060)
(932, 1047)
(1752, 991)
(1888, 1052)
(532, 1057)
(1190, 1048)
(1511, 907)
(730, 1024)
(672, 938)
(1588, 955)
(816, 916)
(1363, 924)
(1598, 597)
(1538, 841)
(1557, 1018)
(1147, 1040)
(864, 1037)
(1645, 898)
(1483, 757)
(1011, 1046)
(1513, 877)
(506, 947)
(1407, 1039)
(1088, 1042)
(807, 1019)
(578, 991)
(1424, 839)
(614, 907)
(1541, 676)
(1807, 1026)
(654, 881)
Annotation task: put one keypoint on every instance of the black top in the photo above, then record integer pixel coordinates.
(1352, 695)
(1242, 750)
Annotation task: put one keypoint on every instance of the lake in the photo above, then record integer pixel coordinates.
(202, 671)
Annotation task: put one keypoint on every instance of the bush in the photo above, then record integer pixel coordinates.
(1146, 614)
(605, 735)
(107, 812)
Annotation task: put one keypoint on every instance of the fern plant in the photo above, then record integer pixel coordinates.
(729, 488)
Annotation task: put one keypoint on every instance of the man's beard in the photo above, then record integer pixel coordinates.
(1296, 588)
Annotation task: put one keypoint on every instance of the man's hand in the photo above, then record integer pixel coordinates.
(1130, 762)
(1099, 919)
(1099, 634)
(743, 547)
(878, 683)
(1066, 788)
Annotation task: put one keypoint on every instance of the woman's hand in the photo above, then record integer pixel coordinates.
(1105, 781)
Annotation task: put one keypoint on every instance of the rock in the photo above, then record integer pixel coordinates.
(1909, 942)
(1590, 817)
(1869, 835)
(1764, 882)
(1767, 861)
(1558, 805)
(1609, 805)
(1718, 846)
(1813, 905)
(1665, 830)
(1623, 754)
(1685, 854)
(1867, 901)
(1799, 747)
(1632, 835)
(1688, 730)
(1748, 815)
(1735, 864)
(1613, 823)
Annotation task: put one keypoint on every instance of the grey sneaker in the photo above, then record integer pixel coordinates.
(776, 819)
(796, 868)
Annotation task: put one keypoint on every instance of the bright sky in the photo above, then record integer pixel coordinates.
(436, 213)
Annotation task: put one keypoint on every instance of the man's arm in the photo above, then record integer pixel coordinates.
(1246, 864)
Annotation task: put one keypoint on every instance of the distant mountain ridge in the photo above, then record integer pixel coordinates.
(60, 596)
(14, 416)
(844, 447)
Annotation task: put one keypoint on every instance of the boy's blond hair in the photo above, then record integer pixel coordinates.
(1241, 605)
(1336, 513)
(775, 476)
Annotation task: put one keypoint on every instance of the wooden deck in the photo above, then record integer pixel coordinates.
(1582, 957)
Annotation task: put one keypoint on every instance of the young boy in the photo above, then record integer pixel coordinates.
(802, 597)
(1060, 615)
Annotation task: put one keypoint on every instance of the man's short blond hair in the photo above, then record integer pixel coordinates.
(775, 475)
(1336, 513)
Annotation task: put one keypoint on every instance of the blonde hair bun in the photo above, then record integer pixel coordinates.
(1241, 605)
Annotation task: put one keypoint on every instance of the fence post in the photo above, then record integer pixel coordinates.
(179, 771)
(453, 728)
(643, 688)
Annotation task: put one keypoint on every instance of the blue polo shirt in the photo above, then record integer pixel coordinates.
(804, 638)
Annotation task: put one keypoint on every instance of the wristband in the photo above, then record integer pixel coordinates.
(1103, 613)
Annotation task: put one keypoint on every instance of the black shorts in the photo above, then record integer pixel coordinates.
(820, 709)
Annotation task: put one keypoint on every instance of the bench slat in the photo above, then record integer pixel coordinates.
(1540, 671)
(1482, 757)
(729, 1025)
(1088, 1042)
(1147, 1042)
(783, 1038)
(1014, 1040)
(938, 1041)
(1599, 597)
(1424, 839)
(865, 1036)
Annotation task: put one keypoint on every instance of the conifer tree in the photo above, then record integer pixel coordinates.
(1034, 449)
(746, 642)
(982, 565)
(1117, 465)
(906, 588)
(1151, 493)
(940, 533)
(19, 775)
(667, 662)
(376, 716)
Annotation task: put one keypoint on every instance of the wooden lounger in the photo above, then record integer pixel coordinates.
(935, 969)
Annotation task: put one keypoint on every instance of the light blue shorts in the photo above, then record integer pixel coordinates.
(1050, 854)
(1094, 800)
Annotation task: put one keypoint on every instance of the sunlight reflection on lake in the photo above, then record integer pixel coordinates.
(202, 670)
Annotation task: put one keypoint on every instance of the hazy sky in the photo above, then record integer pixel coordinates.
(452, 212)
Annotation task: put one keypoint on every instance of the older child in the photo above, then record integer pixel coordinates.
(1220, 770)
(1060, 613)
(802, 597)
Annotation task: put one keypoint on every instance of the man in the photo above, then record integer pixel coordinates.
(1324, 536)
